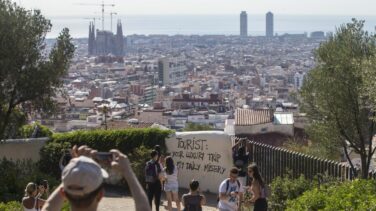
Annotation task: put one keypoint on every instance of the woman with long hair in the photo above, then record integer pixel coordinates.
(258, 189)
(31, 202)
(171, 186)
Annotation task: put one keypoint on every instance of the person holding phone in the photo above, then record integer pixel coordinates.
(83, 179)
(31, 201)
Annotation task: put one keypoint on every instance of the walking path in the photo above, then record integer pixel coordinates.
(116, 200)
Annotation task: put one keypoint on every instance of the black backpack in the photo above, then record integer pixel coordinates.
(151, 172)
(227, 185)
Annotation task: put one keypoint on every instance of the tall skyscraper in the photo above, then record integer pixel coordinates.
(269, 24)
(243, 24)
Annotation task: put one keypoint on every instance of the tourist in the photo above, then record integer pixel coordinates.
(153, 180)
(230, 192)
(258, 189)
(171, 183)
(193, 201)
(83, 179)
(31, 201)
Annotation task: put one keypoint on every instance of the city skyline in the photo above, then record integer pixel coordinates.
(171, 7)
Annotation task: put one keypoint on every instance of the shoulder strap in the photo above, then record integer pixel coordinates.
(36, 203)
(227, 184)
(156, 169)
(237, 181)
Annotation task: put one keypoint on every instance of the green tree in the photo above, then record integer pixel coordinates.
(335, 95)
(30, 76)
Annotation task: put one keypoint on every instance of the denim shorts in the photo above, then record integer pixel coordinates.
(171, 188)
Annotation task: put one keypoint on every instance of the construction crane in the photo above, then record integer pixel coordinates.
(102, 5)
(93, 18)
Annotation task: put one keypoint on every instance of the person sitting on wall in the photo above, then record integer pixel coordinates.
(240, 159)
(83, 178)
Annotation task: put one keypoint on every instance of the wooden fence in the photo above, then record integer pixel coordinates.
(275, 161)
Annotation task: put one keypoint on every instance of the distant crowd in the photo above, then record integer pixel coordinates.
(83, 184)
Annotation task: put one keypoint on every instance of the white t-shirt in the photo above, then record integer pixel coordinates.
(230, 203)
(172, 179)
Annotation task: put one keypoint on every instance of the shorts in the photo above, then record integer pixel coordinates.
(171, 188)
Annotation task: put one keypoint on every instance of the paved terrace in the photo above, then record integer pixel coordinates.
(118, 200)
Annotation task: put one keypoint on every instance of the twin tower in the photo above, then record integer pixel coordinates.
(103, 43)
(244, 24)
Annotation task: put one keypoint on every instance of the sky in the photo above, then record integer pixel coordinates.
(203, 7)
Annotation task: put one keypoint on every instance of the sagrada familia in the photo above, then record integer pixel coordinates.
(102, 43)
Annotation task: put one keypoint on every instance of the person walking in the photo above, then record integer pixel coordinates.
(152, 179)
(230, 192)
(171, 186)
(258, 189)
(193, 201)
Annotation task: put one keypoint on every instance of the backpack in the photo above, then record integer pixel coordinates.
(151, 174)
(227, 185)
(267, 191)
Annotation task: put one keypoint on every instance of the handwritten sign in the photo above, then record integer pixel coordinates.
(205, 155)
(192, 149)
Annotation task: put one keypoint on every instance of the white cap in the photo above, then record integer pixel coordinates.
(82, 176)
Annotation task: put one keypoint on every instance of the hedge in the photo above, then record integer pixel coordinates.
(351, 195)
(127, 141)
(15, 175)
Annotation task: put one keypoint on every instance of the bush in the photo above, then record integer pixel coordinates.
(350, 195)
(127, 141)
(138, 160)
(11, 206)
(50, 156)
(14, 177)
(124, 140)
(27, 131)
(283, 189)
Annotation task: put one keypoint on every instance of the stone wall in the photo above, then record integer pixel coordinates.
(204, 156)
(18, 149)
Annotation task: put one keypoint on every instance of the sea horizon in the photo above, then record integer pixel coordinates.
(225, 24)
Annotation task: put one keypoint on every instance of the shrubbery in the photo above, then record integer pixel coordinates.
(127, 141)
(285, 188)
(10, 206)
(350, 195)
(14, 177)
(27, 131)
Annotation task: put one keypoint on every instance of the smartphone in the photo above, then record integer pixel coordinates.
(103, 158)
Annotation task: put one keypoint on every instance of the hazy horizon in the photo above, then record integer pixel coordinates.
(207, 24)
(203, 7)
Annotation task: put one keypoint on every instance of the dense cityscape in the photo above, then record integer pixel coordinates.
(188, 119)
(175, 80)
